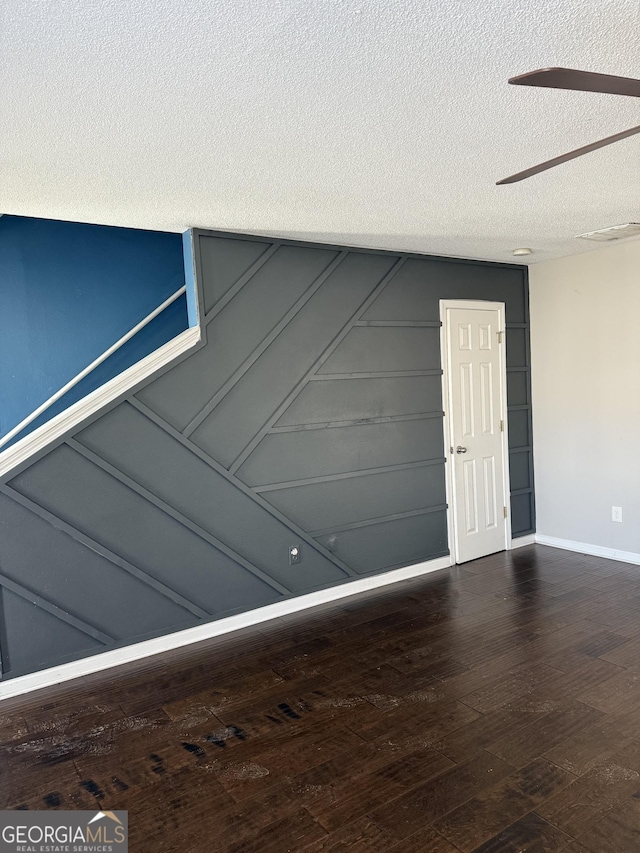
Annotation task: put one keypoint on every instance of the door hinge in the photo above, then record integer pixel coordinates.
(501, 426)
(506, 514)
(500, 337)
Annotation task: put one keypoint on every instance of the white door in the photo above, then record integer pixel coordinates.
(474, 372)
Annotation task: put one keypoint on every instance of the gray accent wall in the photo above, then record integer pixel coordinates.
(309, 415)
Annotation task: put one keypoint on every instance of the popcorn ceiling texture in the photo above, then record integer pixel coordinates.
(381, 124)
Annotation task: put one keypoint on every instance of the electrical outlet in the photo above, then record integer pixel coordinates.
(295, 555)
(616, 514)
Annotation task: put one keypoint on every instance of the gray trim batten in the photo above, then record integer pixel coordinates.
(174, 513)
(110, 555)
(243, 456)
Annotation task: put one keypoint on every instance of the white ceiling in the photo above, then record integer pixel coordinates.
(369, 123)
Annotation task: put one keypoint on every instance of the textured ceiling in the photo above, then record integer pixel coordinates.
(380, 124)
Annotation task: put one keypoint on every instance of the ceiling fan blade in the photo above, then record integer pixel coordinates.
(580, 81)
(548, 164)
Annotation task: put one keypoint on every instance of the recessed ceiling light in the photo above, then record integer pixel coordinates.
(614, 232)
(522, 251)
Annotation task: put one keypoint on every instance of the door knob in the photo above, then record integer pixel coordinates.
(461, 449)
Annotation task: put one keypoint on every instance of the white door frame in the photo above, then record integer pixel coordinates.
(448, 421)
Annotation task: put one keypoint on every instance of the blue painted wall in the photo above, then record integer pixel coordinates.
(68, 291)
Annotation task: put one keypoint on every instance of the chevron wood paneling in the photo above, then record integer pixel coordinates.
(311, 414)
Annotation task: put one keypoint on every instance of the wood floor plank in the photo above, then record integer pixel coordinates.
(625, 654)
(406, 814)
(361, 836)
(428, 721)
(224, 696)
(607, 783)
(524, 745)
(373, 789)
(513, 685)
(530, 834)
(250, 769)
(320, 787)
(616, 832)
(615, 695)
(424, 841)
(591, 745)
(297, 829)
(491, 811)
(575, 675)
(44, 787)
(413, 769)
(483, 731)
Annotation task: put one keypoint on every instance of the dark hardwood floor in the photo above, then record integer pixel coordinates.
(494, 707)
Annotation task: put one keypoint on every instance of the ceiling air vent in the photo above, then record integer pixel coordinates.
(615, 232)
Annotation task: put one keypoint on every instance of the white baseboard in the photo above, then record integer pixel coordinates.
(138, 651)
(586, 548)
(521, 541)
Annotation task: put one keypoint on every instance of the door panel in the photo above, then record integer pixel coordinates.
(490, 493)
(470, 496)
(486, 397)
(475, 365)
(466, 400)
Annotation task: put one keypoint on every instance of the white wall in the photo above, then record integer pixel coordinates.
(585, 359)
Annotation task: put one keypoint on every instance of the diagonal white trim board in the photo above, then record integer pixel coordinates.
(91, 367)
(96, 400)
(47, 433)
(137, 651)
